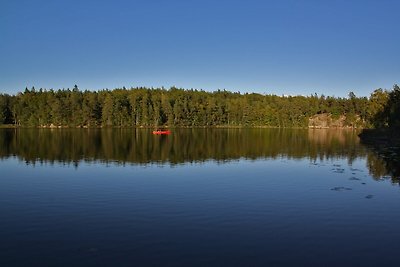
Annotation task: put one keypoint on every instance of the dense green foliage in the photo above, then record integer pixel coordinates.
(392, 108)
(146, 107)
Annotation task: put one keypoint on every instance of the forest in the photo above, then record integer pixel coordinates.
(175, 107)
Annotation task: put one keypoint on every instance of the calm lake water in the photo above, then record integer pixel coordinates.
(198, 197)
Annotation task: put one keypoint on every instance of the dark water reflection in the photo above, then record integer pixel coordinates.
(185, 145)
(198, 197)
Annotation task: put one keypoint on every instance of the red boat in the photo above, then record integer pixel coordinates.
(162, 132)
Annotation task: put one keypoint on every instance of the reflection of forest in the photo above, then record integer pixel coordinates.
(323, 136)
(139, 146)
(385, 143)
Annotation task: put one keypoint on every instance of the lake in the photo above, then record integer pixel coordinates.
(196, 197)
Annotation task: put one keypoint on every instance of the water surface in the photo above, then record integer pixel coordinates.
(199, 197)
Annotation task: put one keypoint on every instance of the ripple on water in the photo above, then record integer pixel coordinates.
(341, 188)
(338, 170)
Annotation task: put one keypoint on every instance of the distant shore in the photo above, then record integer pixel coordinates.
(7, 126)
(12, 126)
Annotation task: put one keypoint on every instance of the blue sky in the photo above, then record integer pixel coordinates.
(279, 47)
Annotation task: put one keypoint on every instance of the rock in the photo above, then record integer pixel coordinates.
(326, 120)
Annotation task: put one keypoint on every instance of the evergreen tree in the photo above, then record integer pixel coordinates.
(178, 107)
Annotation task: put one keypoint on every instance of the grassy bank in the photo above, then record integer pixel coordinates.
(7, 126)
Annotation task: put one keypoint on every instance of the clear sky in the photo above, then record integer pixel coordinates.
(279, 47)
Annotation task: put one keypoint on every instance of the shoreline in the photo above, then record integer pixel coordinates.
(11, 126)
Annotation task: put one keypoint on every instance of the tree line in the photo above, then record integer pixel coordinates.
(157, 107)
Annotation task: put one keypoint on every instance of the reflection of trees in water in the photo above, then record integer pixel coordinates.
(384, 147)
(341, 141)
(183, 145)
(376, 166)
(384, 165)
(384, 141)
